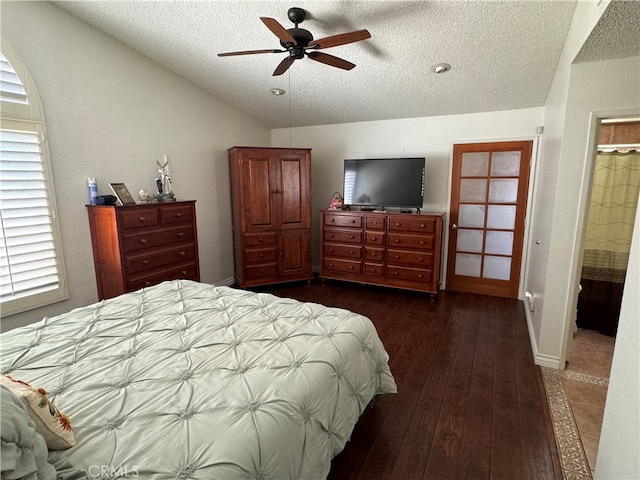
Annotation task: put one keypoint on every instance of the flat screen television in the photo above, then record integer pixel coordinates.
(384, 182)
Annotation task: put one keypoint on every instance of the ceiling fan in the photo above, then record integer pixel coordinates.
(299, 42)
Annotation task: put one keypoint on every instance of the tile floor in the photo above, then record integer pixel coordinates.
(591, 355)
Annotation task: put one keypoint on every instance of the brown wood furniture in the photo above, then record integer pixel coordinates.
(388, 249)
(271, 211)
(137, 246)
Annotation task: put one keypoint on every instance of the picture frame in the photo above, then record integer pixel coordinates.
(122, 193)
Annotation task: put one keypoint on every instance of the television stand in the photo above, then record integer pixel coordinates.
(388, 249)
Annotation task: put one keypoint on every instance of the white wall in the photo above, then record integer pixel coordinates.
(619, 450)
(111, 113)
(431, 137)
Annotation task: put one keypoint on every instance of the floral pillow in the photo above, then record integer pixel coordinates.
(50, 422)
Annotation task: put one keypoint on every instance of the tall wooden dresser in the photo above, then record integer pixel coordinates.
(387, 249)
(271, 211)
(137, 246)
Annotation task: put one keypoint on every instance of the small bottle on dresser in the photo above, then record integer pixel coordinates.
(93, 190)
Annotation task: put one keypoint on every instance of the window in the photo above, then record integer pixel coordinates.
(31, 264)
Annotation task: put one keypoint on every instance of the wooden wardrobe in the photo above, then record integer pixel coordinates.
(271, 212)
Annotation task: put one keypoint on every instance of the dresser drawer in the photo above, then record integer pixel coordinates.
(260, 271)
(340, 265)
(374, 254)
(156, 238)
(257, 256)
(402, 257)
(338, 220)
(157, 257)
(416, 242)
(176, 214)
(342, 236)
(418, 223)
(375, 222)
(375, 238)
(258, 239)
(138, 217)
(411, 274)
(345, 251)
(373, 269)
(184, 271)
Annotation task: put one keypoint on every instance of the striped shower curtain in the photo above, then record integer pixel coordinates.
(614, 199)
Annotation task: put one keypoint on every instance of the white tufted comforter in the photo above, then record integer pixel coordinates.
(188, 380)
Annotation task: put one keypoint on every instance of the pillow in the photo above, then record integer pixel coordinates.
(23, 451)
(50, 422)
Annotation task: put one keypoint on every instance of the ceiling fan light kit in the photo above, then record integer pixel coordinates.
(297, 42)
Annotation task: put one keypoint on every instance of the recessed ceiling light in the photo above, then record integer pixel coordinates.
(277, 91)
(440, 68)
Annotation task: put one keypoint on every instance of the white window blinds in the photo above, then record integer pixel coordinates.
(11, 88)
(31, 265)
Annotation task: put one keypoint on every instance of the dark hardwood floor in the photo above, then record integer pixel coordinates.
(470, 401)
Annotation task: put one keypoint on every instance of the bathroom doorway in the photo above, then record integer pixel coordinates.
(610, 219)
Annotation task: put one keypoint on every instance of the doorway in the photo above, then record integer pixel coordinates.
(489, 188)
(610, 219)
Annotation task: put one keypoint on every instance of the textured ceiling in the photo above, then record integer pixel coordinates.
(503, 54)
(617, 34)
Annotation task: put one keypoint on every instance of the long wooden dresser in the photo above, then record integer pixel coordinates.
(388, 249)
(137, 246)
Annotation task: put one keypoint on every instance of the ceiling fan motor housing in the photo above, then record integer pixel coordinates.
(302, 36)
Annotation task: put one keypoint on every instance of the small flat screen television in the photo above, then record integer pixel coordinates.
(384, 182)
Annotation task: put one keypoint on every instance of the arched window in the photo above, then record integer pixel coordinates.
(31, 264)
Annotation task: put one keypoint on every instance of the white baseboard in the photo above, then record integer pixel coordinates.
(538, 358)
(227, 282)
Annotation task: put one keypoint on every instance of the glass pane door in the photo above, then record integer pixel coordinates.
(488, 201)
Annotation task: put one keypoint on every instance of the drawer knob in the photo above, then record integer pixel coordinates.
(331, 264)
(332, 219)
(143, 240)
(421, 259)
(331, 250)
(420, 275)
(351, 237)
(179, 215)
(421, 242)
(397, 257)
(331, 235)
(147, 283)
(261, 255)
(145, 262)
(374, 239)
(353, 221)
(262, 270)
(351, 252)
(184, 272)
(182, 254)
(397, 240)
(180, 234)
(142, 219)
(398, 224)
(394, 273)
(374, 254)
(350, 267)
(422, 225)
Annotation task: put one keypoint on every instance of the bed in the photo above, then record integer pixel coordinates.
(189, 380)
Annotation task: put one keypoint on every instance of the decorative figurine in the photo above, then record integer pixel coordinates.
(144, 196)
(337, 202)
(163, 182)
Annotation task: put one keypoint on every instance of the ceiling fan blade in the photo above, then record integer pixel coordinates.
(330, 60)
(278, 30)
(248, 52)
(341, 39)
(283, 66)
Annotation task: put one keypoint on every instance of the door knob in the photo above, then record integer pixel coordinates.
(454, 226)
